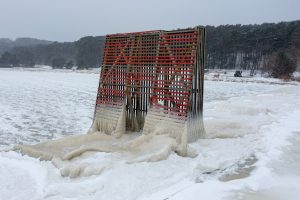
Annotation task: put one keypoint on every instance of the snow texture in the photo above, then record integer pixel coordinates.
(251, 151)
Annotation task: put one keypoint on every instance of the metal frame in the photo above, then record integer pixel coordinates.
(157, 72)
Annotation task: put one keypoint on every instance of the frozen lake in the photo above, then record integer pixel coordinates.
(253, 131)
(38, 106)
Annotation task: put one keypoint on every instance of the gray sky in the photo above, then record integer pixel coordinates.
(68, 20)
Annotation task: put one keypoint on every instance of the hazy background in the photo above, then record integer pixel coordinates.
(69, 20)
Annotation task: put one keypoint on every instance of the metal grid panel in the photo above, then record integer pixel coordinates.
(156, 71)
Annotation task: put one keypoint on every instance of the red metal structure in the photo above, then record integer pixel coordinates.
(157, 76)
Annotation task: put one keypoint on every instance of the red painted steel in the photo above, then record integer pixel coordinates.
(152, 67)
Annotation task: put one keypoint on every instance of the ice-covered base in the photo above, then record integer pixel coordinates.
(74, 155)
(256, 157)
(69, 153)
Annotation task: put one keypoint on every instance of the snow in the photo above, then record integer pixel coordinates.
(252, 150)
(21, 177)
(272, 177)
(38, 106)
(296, 74)
(228, 76)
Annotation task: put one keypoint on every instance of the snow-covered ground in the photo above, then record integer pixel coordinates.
(252, 150)
(228, 76)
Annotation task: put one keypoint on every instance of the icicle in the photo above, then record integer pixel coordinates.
(121, 125)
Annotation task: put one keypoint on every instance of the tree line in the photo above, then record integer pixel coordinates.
(253, 47)
(240, 47)
(84, 53)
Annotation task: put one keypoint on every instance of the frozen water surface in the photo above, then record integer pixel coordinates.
(38, 106)
(252, 149)
(41, 105)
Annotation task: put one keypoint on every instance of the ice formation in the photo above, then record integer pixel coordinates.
(150, 82)
(132, 148)
(108, 136)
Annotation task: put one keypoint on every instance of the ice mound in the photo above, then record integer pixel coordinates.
(72, 154)
(69, 154)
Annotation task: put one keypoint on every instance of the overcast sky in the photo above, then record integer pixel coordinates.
(68, 20)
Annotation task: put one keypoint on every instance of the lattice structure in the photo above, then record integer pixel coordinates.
(157, 78)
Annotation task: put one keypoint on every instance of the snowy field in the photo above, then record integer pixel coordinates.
(252, 150)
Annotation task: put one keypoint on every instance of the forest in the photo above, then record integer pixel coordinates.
(227, 47)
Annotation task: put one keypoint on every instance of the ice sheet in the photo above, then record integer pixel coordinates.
(263, 126)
